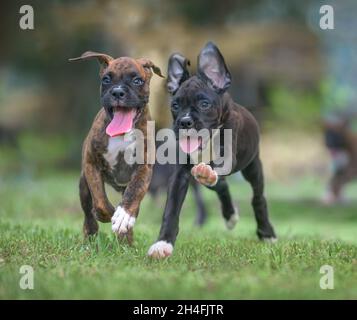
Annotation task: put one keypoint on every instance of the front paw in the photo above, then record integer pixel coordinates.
(122, 221)
(160, 249)
(204, 174)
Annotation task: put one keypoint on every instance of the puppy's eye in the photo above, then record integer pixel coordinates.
(106, 80)
(138, 81)
(204, 105)
(174, 106)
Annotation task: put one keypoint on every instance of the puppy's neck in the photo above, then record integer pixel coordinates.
(227, 103)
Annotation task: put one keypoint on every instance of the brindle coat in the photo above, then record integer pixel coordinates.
(131, 180)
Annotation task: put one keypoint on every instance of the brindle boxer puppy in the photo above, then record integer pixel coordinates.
(124, 98)
(198, 102)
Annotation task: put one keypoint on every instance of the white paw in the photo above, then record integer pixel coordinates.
(230, 224)
(122, 222)
(160, 249)
(270, 240)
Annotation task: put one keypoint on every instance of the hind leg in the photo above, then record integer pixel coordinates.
(336, 185)
(90, 225)
(254, 175)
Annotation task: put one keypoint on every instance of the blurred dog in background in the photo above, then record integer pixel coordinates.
(341, 142)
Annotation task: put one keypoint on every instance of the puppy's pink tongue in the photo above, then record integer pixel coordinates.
(189, 144)
(122, 122)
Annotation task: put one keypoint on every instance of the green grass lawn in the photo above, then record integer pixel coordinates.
(41, 221)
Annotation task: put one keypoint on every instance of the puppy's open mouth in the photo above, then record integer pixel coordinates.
(189, 141)
(190, 144)
(123, 121)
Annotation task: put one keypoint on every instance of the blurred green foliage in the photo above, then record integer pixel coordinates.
(293, 109)
(35, 155)
(335, 96)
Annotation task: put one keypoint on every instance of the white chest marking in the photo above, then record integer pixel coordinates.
(115, 145)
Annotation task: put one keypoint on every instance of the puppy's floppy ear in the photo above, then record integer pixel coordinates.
(177, 72)
(213, 69)
(102, 58)
(148, 64)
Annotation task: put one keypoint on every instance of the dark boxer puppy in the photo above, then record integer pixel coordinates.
(124, 98)
(342, 145)
(201, 101)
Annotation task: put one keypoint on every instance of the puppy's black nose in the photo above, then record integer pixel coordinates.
(118, 92)
(186, 122)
